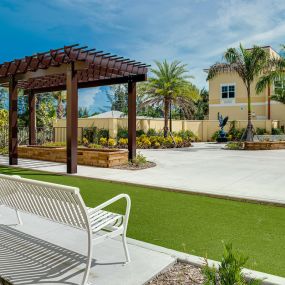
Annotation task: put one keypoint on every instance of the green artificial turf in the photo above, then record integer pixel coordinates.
(195, 224)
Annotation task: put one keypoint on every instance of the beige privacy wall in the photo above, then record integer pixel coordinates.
(204, 129)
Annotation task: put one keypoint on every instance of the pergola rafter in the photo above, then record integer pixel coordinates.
(68, 68)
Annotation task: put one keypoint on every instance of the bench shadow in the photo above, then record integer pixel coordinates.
(25, 259)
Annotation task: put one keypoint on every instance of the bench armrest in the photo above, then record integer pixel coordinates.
(113, 200)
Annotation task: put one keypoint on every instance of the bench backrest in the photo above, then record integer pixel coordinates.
(59, 203)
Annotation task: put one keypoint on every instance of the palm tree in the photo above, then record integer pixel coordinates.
(248, 64)
(60, 97)
(274, 73)
(170, 87)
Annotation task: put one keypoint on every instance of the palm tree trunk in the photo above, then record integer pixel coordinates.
(166, 114)
(249, 129)
(170, 117)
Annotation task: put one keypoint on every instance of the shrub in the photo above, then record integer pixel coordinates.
(215, 136)
(229, 271)
(277, 131)
(3, 150)
(85, 141)
(187, 135)
(140, 133)
(178, 141)
(54, 144)
(145, 141)
(151, 132)
(234, 145)
(95, 146)
(102, 133)
(122, 133)
(123, 143)
(139, 160)
(111, 142)
(260, 131)
(103, 141)
(156, 145)
(93, 134)
(168, 142)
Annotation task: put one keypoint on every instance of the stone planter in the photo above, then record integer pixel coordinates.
(86, 156)
(264, 145)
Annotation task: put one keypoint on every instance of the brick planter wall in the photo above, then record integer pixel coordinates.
(264, 145)
(86, 156)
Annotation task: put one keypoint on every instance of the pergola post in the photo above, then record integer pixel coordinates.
(71, 118)
(132, 121)
(13, 122)
(32, 118)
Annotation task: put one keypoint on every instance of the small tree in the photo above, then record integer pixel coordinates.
(248, 64)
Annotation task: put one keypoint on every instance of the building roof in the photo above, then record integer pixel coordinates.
(114, 115)
(109, 115)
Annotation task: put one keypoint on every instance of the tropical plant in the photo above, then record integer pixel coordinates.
(229, 271)
(83, 112)
(60, 97)
(248, 64)
(3, 97)
(117, 95)
(274, 73)
(202, 105)
(170, 87)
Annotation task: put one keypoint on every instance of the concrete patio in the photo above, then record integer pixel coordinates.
(43, 252)
(203, 168)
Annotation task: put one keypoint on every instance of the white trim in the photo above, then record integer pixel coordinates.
(244, 104)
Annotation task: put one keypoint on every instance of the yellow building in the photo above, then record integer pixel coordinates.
(227, 95)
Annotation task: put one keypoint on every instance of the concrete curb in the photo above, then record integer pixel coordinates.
(225, 196)
(267, 279)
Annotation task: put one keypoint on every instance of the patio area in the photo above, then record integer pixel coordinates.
(43, 252)
(203, 168)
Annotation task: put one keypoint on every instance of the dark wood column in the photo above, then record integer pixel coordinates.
(32, 118)
(13, 122)
(71, 118)
(132, 120)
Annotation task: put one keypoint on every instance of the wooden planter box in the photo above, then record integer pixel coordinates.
(264, 145)
(86, 156)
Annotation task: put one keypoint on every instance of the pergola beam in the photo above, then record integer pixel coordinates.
(95, 83)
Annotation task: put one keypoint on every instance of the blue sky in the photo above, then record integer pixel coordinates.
(193, 31)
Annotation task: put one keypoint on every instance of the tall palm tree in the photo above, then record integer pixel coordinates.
(170, 87)
(60, 97)
(248, 64)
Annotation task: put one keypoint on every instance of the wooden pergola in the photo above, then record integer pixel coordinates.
(68, 68)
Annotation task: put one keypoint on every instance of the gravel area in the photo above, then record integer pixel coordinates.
(131, 166)
(179, 274)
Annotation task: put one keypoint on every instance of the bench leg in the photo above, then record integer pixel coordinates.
(20, 222)
(127, 254)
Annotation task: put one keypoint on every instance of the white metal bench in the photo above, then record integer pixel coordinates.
(64, 204)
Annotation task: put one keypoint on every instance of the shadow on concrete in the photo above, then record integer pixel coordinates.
(25, 259)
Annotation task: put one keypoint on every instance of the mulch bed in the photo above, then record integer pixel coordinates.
(179, 274)
(131, 166)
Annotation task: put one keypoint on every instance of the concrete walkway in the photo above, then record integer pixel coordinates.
(204, 168)
(43, 252)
